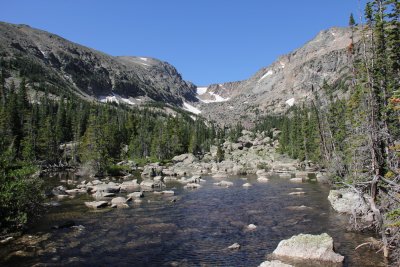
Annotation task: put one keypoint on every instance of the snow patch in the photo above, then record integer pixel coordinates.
(290, 102)
(201, 90)
(191, 108)
(217, 98)
(270, 72)
(143, 58)
(193, 117)
(116, 99)
(282, 65)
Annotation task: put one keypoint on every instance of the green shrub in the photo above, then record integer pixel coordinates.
(21, 196)
(117, 170)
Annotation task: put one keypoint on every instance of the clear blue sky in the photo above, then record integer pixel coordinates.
(209, 41)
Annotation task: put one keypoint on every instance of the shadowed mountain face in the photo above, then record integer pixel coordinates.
(47, 58)
(290, 80)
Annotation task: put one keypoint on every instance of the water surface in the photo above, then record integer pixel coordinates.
(193, 231)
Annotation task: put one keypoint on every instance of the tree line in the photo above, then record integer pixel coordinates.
(40, 129)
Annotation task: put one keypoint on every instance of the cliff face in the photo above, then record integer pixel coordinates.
(289, 80)
(89, 73)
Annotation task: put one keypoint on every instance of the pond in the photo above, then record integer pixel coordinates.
(194, 230)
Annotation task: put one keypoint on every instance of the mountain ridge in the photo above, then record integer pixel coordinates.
(89, 72)
(290, 77)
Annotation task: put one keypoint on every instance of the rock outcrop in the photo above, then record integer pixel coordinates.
(309, 248)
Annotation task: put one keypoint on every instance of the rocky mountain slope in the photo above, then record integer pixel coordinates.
(292, 79)
(49, 59)
(288, 81)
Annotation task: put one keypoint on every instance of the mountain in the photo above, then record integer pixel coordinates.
(46, 58)
(64, 66)
(290, 80)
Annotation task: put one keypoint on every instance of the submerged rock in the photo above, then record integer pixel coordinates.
(308, 247)
(224, 184)
(136, 195)
(192, 186)
(298, 208)
(246, 185)
(150, 184)
(234, 246)
(106, 188)
(168, 192)
(96, 204)
(274, 263)
(129, 186)
(297, 193)
(119, 201)
(296, 180)
(285, 175)
(251, 226)
(66, 224)
(262, 179)
(59, 190)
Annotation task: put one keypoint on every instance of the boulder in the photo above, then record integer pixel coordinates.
(192, 186)
(59, 190)
(96, 204)
(158, 178)
(246, 185)
(150, 184)
(118, 201)
(185, 159)
(224, 184)
(346, 201)
(194, 179)
(102, 195)
(136, 195)
(262, 179)
(285, 175)
(152, 170)
(296, 180)
(106, 188)
(234, 246)
(251, 226)
(308, 247)
(274, 263)
(129, 186)
(76, 191)
(220, 175)
(322, 178)
(168, 192)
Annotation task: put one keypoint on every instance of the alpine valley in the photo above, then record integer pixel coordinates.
(118, 161)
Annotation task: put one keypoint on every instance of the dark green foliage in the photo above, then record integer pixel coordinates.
(220, 154)
(20, 197)
(352, 22)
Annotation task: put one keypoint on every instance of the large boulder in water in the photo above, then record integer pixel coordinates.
(96, 204)
(308, 247)
(346, 201)
(129, 186)
(106, 188)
